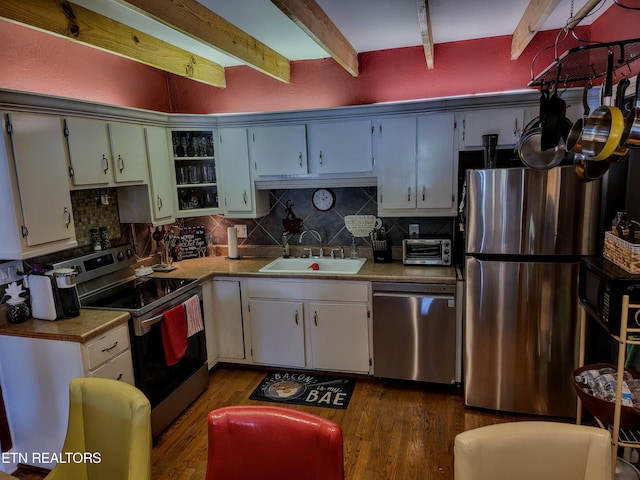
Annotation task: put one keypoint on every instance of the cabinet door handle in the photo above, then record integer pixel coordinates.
(296, 317)
(106, 164)
(119, 377)
(300, 159)
(108, 349)
(159, 203)
(121, 163)
(315, 318)
(244, 197)
(424, 191)
(408, 194)
(66, 210)
(320, 157)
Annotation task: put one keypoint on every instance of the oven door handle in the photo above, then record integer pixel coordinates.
(151, 321)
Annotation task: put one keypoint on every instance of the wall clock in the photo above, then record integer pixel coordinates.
(323, 199)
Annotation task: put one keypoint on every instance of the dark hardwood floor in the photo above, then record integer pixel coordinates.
(391, 430)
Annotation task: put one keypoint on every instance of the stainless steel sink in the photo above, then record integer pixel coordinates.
(341, 266)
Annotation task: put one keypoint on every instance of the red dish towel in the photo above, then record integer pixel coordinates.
(194, 315)
(174, 334)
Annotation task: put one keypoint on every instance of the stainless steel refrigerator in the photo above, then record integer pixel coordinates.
(525, 233)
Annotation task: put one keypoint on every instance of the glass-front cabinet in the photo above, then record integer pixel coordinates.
(196, 175)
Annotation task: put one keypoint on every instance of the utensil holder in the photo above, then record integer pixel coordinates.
(381, 251)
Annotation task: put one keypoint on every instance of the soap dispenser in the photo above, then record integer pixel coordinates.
(18, 310)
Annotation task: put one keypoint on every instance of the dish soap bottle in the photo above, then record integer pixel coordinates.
(18, 310)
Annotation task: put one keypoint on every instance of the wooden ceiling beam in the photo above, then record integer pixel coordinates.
(198, 22)
(70, 21)
(425, 30)
(308, 15)
(532, 20)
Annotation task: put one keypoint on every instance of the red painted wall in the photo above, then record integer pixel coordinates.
(36, 62)
(33, 61)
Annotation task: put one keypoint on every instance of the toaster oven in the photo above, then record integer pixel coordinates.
(426, 251)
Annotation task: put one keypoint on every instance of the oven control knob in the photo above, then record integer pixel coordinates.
(129, 253)
(445, 251)
(120, 255)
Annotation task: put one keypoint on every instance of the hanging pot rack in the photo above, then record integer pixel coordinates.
(588, 62)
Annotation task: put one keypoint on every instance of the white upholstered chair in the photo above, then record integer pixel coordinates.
(533, 450)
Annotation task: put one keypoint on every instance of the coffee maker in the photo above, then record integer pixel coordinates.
(66, 291)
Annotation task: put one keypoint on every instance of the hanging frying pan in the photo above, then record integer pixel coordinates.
(631, 133)
(530, 144)
(603, 128)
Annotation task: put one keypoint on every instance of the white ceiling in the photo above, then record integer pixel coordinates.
(367, 24)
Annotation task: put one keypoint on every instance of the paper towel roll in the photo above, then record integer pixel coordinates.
(232, 236)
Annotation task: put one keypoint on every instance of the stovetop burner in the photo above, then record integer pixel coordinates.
(137, 295)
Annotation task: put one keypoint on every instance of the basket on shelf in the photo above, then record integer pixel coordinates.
(624, 254)
(602, 409)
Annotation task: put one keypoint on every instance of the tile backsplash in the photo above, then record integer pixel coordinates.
(267, 231)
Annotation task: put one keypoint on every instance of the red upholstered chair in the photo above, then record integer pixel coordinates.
(272, 443)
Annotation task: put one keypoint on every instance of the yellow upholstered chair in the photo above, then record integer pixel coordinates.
(110, 421)
(533, 451)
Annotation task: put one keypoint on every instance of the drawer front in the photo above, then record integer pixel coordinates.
(107, 346)
(347, 291)
(118, 368)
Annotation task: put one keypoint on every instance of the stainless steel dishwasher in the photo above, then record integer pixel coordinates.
(414, 332)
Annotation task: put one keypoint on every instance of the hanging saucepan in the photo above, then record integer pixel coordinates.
(603, 128)
(631, 133)
(588, 170)
(574, 139)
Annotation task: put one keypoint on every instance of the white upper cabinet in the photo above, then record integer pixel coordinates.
(397, 167)
(241, 199)
(507, 123)
(160, 172)
(278, 150)
(436, 171)
(103, 154)
(89, 152)
(340, 147)
(417, 167)
(128, 152)
(152, 203)
(35, 203)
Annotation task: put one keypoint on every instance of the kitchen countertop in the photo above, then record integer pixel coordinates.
(208, 267)
(89, 324)
(92, 323)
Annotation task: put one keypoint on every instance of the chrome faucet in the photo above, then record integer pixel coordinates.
(317, 237)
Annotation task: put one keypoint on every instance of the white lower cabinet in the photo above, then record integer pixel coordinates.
(322, 325)
(337, 339)
(224, 326)
(35, 374)
(277, 332)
